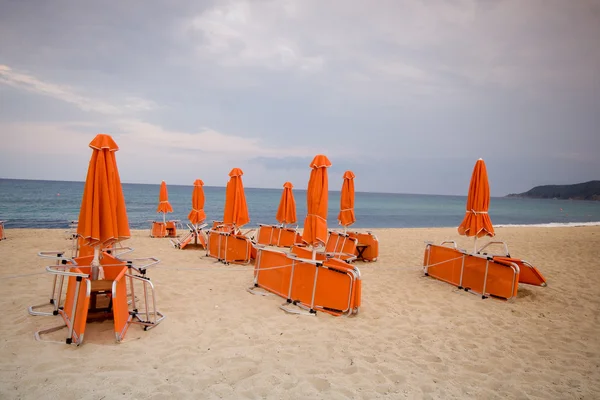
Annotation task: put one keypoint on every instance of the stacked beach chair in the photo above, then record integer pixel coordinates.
(310, 280)
(480, 272)
(226, 242)
(99, 282)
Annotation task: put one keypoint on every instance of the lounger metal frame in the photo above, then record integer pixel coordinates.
(306, 308)
(134, 265)
(464, 255)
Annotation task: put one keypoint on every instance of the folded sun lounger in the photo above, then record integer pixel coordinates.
(329, 285)
(483, 274)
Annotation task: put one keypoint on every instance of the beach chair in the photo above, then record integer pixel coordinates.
(81, 303)
(2, 237)
(164, 229)
(476, 273)
(194, 237)
(529, 274)
(367, 246)
(277, 235)
(341, 245)
(228, 244)
(330, 285)
(64, 261)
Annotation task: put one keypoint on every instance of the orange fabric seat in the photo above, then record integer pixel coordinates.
(479, 274)
(273, 235)
(331, 286)
(528, 274)
(159, 230)
(79, 290)
(228, 247)
(370, 251)
(341, 245)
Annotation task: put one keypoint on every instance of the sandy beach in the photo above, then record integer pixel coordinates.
(414, 337)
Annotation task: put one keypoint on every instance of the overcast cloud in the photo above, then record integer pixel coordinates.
(407, 94)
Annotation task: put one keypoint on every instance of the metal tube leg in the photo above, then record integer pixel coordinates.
(487, 263)
(146, 302)
(462, 269)
(312, 301)
(74, 309)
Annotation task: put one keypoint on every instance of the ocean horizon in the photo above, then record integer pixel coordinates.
(28, 203)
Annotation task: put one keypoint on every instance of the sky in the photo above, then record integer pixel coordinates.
(407, 94)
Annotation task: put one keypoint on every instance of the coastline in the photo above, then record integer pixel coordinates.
(414, 336)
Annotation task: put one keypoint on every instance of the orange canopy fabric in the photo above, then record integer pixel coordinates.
(315, 224)
(286, 213)
(236, 208)
(346, 215)
(477, 222)
(197, 215)
(103, 215)
(163, 200)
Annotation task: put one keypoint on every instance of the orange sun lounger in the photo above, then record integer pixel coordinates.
(163, 229)
(80, 304)
(275, 235)
(341, 245)
(528, 273)
(367, 248)
(479, 273)
(228, 245)
(331, 286)
(2, 237)
(193, 236)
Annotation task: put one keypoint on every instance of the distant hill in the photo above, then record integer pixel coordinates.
(580, 191)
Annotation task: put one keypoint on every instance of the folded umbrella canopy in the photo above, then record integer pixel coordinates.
(236, 208)
(164, 206)
(315, 224)
(346, 216)
(103, 215)
(197, 215)
(286, 213)
(477, 222)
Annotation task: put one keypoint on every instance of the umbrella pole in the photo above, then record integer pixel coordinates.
(164, 218)
(95, 264)
(475, 245)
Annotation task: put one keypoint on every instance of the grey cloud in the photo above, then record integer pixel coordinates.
(407, 94)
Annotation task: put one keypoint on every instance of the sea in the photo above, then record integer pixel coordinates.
(53, 204)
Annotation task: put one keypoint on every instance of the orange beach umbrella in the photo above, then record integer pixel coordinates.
(103, 215)
(236, 208)
(315, 224)
(163, 200)
(346, 215)
(477, 222)
(197, 215)
(286, 213)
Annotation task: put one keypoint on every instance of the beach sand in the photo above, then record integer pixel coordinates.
(414, 337)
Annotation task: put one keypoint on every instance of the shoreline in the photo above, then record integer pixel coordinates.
(337, 227)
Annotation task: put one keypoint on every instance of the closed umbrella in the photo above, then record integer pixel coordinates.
(346, 216)
(286, 213)
(103, 215)
(197, 214)
(315, 224)
(164, 206)
(236, 208)
(477, 222)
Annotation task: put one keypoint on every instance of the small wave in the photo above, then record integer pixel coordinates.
(549, 225)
